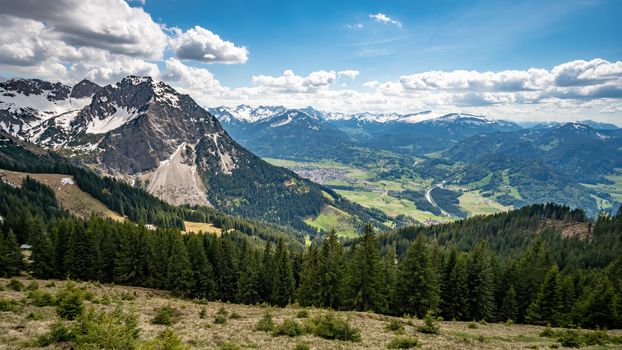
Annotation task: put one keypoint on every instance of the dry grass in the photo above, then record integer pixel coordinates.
(197, 227)
(68, 194)
(16, 329)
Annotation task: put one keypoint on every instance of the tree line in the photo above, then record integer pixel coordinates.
(527, 286)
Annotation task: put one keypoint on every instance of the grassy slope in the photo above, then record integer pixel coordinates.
(17, 329)
(68, 194)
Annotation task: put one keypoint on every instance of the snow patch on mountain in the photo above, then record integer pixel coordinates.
(116, 120)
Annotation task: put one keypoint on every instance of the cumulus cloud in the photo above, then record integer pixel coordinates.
(348, 73)
(190, 77)
(382, 18)
(200, 44)
(290, 82)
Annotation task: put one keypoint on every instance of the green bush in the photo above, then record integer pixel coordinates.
(394, 326)
(290, 328)
(596, 338)
(40, 298)
(165, 315)
(570, 339)
(127, 296)
(34, 316)
(265, 324)
(9, 305)
(166, 340)
(33, 285)
(220, 319)
(302, 346)
(472, 325)
(302, 313)
(403, 343)
(235, 316)
(330, 327)
(69, 305)
(429, 324)
(15, 285)
(202, 313)
(59, 333)
(222, 311)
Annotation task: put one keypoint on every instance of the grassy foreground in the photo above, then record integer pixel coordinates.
(216, 325)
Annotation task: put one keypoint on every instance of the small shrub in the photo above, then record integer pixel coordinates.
(69, 306)
(58, 333)
(596, 338)
(570, 339)
(403, 343)
(15, 284)
(302, 313)
(200, 301)
(330, 327)
(509, 322)
(265, 324)
(472, 325)
(394, 326)
(548, 332)
(166, 340)
(235, 316)
(106, 330)
(40, 298)
(9, 305)
(50, 285)
(220, 319)
(554, 346)
(34, 316)
(481, 338)
(222, 311)
(202, 313)
(105, 299)
(429, 324)
(228, 345)
(302, 346)
(33, 285)
(290, 328)
(127, 296)
(165, 315)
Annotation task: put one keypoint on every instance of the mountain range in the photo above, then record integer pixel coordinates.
(148, 134)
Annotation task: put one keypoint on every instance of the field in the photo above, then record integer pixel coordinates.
(362, 186)
(197, 227)
(614, 189)
(21, 327)
(68, 194)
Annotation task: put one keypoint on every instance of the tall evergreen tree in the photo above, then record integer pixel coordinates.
(283, 290)
(547, 306)
(132, 265)
(266, 273)
(42, 252)
(365, 281)
(331, 271)
(308, 291)
(179, 271)
(417, 289)
(453, 287)
(11, 260)
(203, 285)
(249, 284)
(81, 258)
(480, 284)
(509, 308)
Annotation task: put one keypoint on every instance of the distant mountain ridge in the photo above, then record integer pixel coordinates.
(147, 133)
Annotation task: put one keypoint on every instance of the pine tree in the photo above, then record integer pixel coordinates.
(82, 254)
(249, 284)
(365, 281)
(203, 274)
(509, 308)
(180, 280)
(42, 252)
(453, 287)
(226, 272)
(266, 273)
(547, 306)
(331, 272)
(11, 260)
(308, 291)
(131, 266)
(417, 289)
(283, 290)
(480, 284)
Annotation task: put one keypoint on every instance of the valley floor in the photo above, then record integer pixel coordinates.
(19, 328)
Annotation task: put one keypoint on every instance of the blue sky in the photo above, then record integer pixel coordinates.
(519, 60)
(307, 36)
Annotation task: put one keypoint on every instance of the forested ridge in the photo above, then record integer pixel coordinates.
(477, 269)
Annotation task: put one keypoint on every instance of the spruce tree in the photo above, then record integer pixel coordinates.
(131, 266)
(417, 289)
(509, 307)
(453, 287)
(249, 284)
(365, 281)
(226, 272)
(266, 273)
(480, 284)
(283, 290)
(180, 276)
(308, 291)
(331, 271)
(11, 260)
(82, 254)
(203, 274)
(42, 252)
(547, 306)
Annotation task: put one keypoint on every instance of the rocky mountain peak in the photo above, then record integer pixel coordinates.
(83, 89)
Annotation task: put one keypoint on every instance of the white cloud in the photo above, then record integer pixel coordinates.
(202, 45)
(348, 73)
(355, 26)
(190, 77)
(290, 82)
(382, 18)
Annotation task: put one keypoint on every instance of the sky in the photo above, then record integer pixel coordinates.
(519, 60)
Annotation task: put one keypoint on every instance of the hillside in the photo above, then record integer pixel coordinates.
(28, 322)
